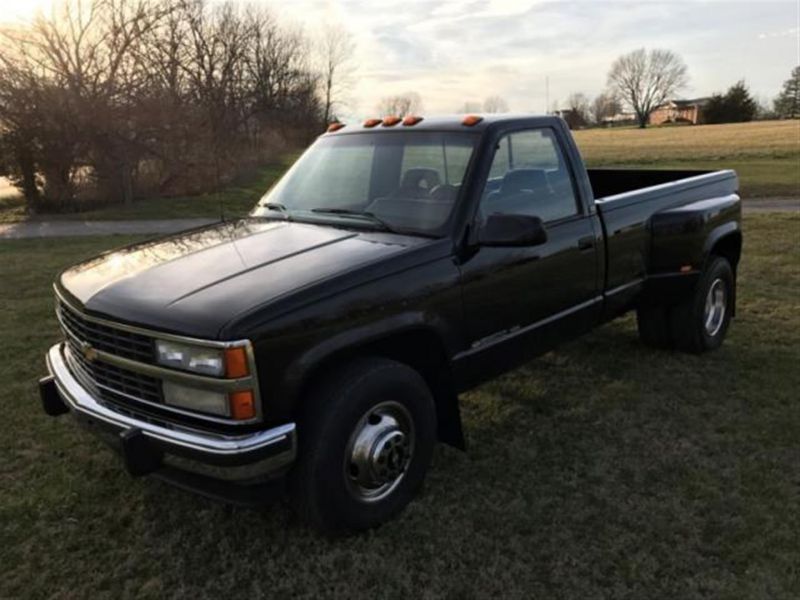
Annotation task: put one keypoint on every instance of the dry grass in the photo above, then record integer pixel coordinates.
(765, 154)
(759, 139)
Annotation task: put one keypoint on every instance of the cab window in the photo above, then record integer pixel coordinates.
(529, 176)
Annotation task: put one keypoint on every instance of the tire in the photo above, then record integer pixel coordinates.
(654, 326)
(358, 429)
(697, 327)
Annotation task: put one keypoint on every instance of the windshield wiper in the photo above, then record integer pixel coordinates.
(356, 213)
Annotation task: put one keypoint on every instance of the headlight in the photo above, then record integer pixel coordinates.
(216, 362)
(215, 403)
(198, 359)
(230, 363)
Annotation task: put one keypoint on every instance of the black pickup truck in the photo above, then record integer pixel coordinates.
(318, 346)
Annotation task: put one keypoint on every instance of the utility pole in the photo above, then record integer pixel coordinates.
(547, 94)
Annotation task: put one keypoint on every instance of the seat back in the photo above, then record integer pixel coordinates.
(417, 182)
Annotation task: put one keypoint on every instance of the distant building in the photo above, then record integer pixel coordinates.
(680, 111)
(619, 119)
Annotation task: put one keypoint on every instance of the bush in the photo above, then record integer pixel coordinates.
(736, 106)
(153, 97)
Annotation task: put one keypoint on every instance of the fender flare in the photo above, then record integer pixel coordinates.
(449, 428)
(716, 235)
(351, 339)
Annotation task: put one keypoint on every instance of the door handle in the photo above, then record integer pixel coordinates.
(586, 243)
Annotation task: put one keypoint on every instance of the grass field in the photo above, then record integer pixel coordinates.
(602, 470)
(766, 155)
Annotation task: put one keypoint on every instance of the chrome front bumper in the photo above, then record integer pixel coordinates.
(251, 457)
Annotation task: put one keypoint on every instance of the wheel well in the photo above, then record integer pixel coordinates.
(729, 247)
(423, 351)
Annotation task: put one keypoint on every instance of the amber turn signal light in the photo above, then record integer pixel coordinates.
(471, 120)
(243, 405)
(335, 127)
(236, 363)
(411, 120)
(372, 122)
(391, 121)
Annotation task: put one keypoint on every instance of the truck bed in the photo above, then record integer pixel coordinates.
(612, 182)
(632, 202)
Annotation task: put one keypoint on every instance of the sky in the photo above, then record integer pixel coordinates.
(456, 51)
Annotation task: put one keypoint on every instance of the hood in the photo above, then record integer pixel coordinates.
(194, 283)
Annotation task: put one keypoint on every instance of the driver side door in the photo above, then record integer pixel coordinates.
(520, 301)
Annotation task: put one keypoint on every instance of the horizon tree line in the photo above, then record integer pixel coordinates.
(115, 99)
(643, 80)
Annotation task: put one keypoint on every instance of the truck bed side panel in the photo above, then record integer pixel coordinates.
(682, 236)
(627, 217)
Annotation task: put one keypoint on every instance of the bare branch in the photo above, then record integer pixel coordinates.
(407, 103)
(647, 79)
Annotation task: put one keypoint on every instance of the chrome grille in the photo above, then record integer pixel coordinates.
(111, 379)
(109, 382)
(102, 337)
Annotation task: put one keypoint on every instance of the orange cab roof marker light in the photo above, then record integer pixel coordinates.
(335, 126)
(391, 120)
(372, 122)
(471, 120)
(411, 120)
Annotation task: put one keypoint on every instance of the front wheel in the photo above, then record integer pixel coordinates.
(366, 439)
(700, 322)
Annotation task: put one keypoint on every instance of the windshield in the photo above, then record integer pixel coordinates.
(399, 181)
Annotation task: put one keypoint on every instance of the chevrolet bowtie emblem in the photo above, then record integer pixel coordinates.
(89, 353)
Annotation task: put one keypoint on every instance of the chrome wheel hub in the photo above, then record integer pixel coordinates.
(379, 451)
(716, 305)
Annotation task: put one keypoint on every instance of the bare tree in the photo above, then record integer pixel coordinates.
(605, 106)
(470, 106)
(336, 50)
(85, 64)
(578, 110)
(107, 97)
(407, 103)
(646, 79)
(495, 104)
(22, 114)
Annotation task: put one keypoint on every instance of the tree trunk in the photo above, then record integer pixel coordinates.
(328, 103)
(126, 183)
(27, 168)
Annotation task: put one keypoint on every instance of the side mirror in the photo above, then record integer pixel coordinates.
(512, 230)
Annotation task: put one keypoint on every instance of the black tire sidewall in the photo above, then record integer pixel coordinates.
(340, 408)
(719, 268)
